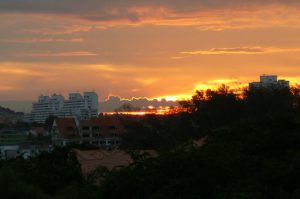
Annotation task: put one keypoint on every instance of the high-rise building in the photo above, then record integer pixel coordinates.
(269, 81)
(81, 106)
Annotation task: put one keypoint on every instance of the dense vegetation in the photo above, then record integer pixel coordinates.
(252, 150)
(209, 110)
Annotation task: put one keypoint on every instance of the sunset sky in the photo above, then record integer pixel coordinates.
(144, 48)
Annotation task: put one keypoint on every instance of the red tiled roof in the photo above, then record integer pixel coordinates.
(90, 159)
(107, 125)
(67, 127)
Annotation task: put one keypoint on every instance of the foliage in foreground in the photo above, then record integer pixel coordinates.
(246, 160)
(252, 151)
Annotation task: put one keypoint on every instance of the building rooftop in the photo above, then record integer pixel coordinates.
(67, 127)
(91, 159)
(107, 125)
(269, 81)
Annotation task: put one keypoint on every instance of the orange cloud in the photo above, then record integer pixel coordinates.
(59, 54)
(203, 19)
(61, 30)
(41, 40)
(147, 80)
(239, 50)
(203, 15)
(102, 67)
(6, 88)
(11, 69)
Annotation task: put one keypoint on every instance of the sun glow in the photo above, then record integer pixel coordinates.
(149, 111)
(175, 98)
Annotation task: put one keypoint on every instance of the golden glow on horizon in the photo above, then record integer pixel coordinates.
(159, 50)
(211, 84)
(16, 78)
(293, 80)
(214, 84)
(175, 97)
(153, 111)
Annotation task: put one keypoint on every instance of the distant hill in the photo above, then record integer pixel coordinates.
(8, 113)
(4, 111)
(17, 106)
(8, 116)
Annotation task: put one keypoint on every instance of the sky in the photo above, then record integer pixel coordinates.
(143, 48)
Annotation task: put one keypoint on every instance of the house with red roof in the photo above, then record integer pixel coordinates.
(102, 132)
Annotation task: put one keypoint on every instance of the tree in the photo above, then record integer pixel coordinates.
(269, 102)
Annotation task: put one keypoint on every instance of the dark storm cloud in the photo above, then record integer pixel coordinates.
(132, 10)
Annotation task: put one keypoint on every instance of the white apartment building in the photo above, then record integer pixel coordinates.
(81, 106)
(269, 81)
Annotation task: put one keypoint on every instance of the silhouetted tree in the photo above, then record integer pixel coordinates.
(215, 108)
(268, 102)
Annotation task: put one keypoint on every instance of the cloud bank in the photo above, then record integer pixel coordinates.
(240, 50)
(114, 102)
(188, 12)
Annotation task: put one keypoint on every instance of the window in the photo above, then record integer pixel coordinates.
(86, 135)
(85, 128)
(95, 128)
(111, 127)
(70, 128)
(114, 134)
